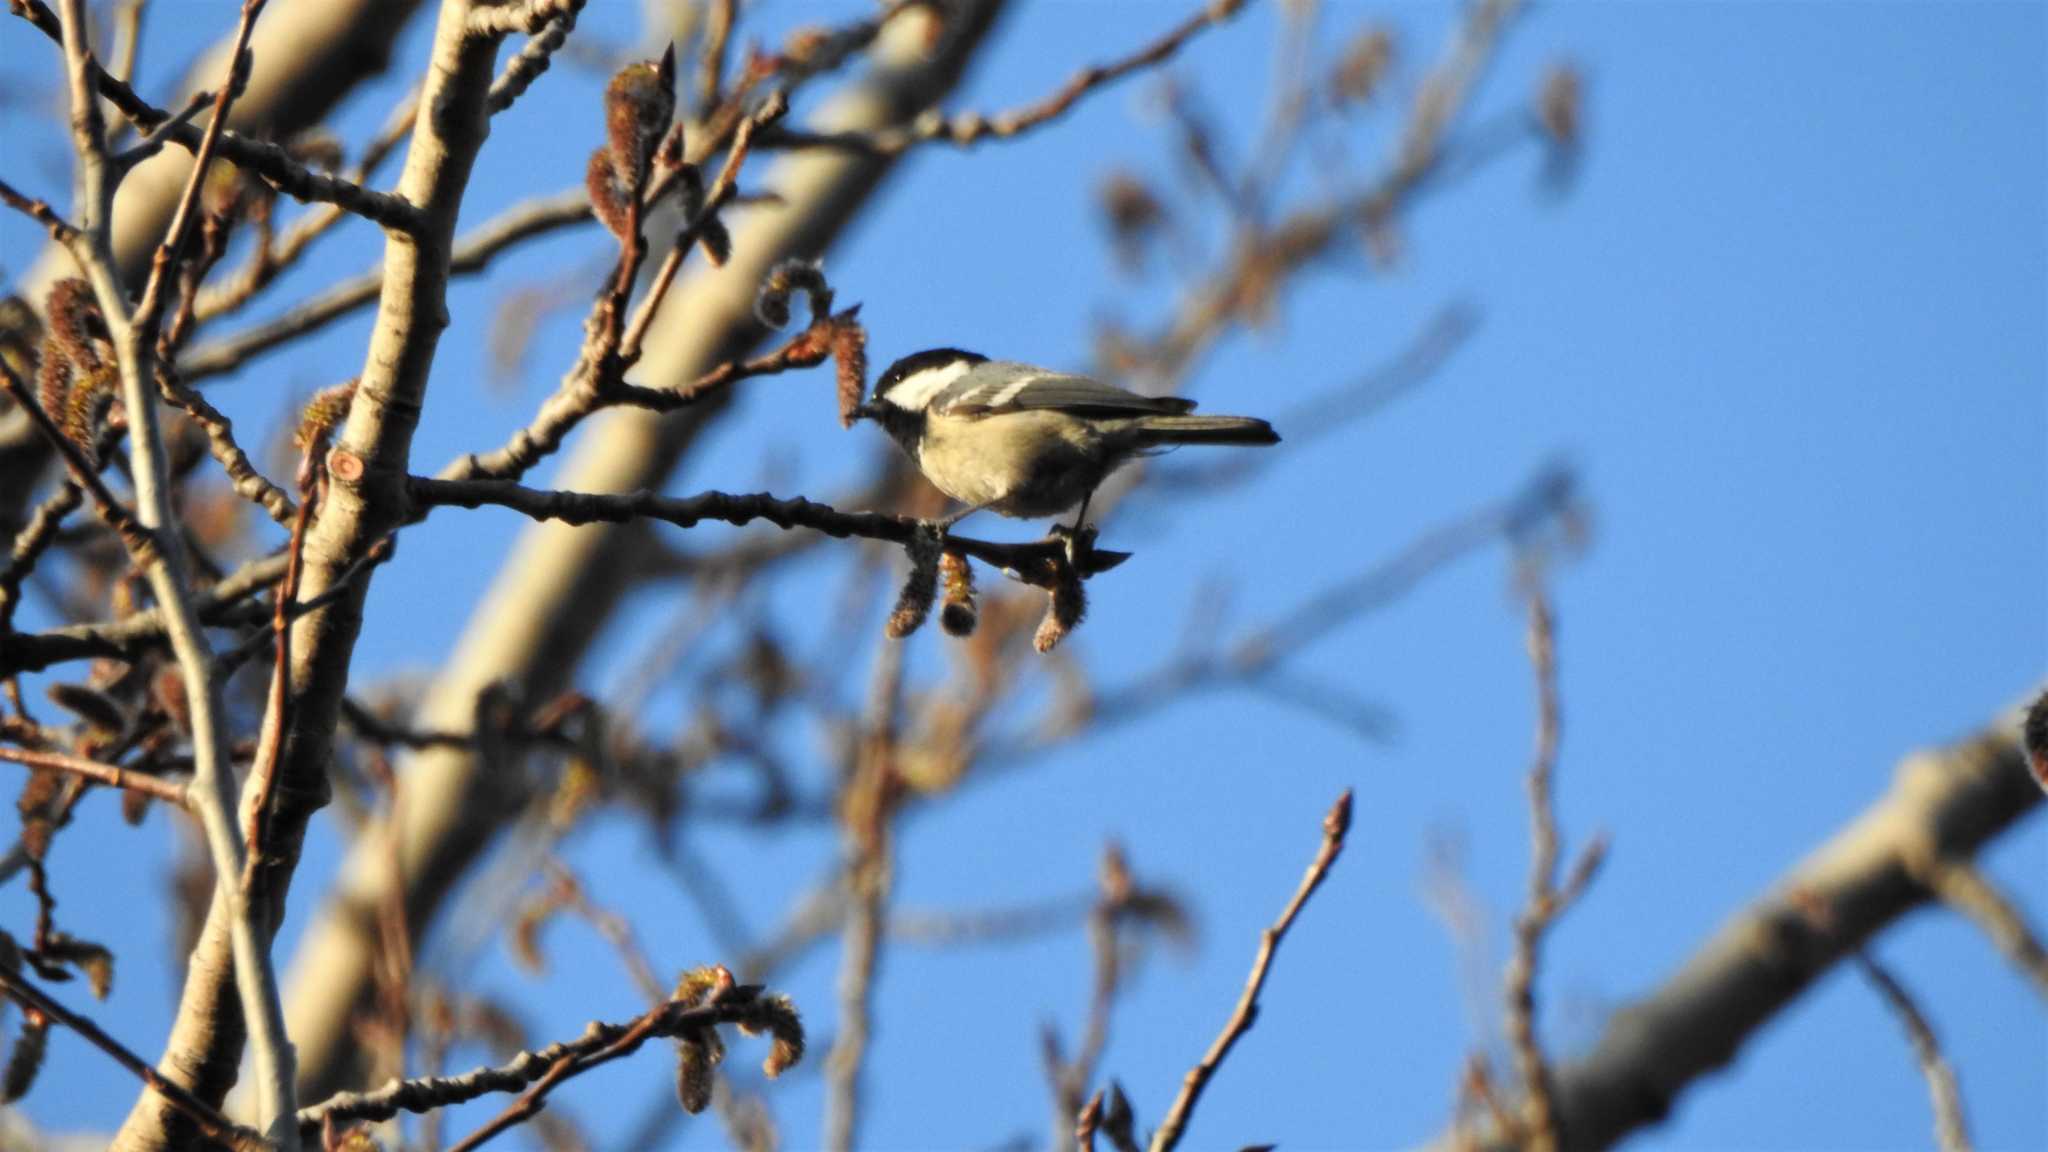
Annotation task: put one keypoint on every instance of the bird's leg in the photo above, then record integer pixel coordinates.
(1081, 517)
(1077, 532)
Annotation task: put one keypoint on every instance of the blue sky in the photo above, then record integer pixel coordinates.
(1791, 325)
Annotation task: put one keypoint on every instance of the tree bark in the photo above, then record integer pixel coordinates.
(562, 583)
(307, 55)
(365, 500)
(1944, 805)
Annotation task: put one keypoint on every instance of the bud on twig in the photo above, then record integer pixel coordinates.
(959, 615)
(920, 587)
(850, 362)
(1064, 609)
(806, 276)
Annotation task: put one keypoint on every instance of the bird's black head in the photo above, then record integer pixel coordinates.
(904, 391)
(910, 383)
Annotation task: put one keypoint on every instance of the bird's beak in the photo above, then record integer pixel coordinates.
(864, 411)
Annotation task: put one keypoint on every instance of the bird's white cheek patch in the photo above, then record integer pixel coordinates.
(917, 389)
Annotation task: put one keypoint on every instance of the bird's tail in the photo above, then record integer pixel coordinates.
(1164, 431)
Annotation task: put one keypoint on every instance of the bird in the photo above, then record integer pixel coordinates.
(1029, 442)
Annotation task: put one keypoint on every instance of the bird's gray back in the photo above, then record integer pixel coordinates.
(998, 386)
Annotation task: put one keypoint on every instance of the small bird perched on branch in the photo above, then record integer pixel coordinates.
(1029, 442)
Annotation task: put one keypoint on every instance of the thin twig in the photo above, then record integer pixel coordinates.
(1335, 824)
(278, 707)
(971, 128)
(1965, 888)
(272, 162)
(1951, 1134)
(711, 63)
(60, 229)
(1030, 561)
(1539, 1110)
(600, 1043)
(32, 542)
(154, 140)
(597, 378)
(472, 254)
(870, 793)
(271, 258)
(130, 636)
(1070, 1078)
(170, 791)
(1086, 1122)
(532, 59)
(210, 1122)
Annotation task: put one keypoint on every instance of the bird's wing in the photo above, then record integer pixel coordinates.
(997, 387)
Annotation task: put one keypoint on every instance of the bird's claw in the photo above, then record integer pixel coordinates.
(1079, 540)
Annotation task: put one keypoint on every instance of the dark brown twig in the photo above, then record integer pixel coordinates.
(1031, 562)
(613, 346)
(278, 706)
(1335, 825)
(139, 540)
(35, 539)
(60, 229)
(210, 1122)
(270, 161)
(1951, 1134)
(170, 791)
(971, 128)
(472, 254)
(599, 1044)
(130, 636)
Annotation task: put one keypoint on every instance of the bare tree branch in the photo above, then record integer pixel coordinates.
(1950, 1132)
(599, 1044)
(567, 580)
(112, 775)
(1950, 802)
(1030, 561)
(1965, 888)
(971, 128)
(1171, 1129)
(209, 1121)
(163, 560)
(365, 502)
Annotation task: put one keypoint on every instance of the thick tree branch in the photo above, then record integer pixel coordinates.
(562, 583)
(1946, 804)
(307, 55)
(163, 560)
(365, 501)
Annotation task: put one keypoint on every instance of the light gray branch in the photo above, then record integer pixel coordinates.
(1944, 804)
